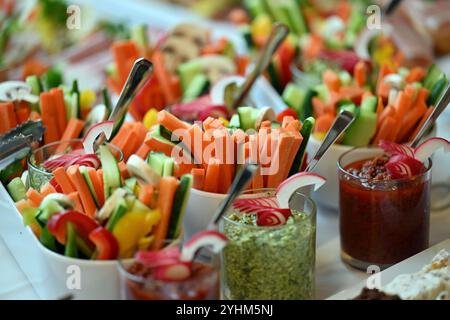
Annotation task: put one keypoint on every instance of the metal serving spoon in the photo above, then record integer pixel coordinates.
(140, 72)
(276, 37)
(341, 123)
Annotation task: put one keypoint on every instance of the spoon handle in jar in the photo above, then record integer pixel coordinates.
(440, 106)
(239, 183)
(341, 123)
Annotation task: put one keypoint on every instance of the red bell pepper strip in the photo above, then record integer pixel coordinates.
(57, 225)
(106, 244)
(286, 112)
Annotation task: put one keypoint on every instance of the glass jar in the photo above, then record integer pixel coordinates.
(382, 222)
(270, 262)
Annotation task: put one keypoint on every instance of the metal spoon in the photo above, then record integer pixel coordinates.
(440, 106)
(391, 6)
(341, 123)
(244, 176)
(276, 37)
(138, 75)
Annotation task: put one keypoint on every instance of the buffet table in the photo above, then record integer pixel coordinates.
(332, 275)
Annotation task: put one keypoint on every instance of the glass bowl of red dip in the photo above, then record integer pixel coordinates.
(139, 282)
(383, 220)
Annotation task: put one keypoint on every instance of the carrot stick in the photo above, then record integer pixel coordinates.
(359, 73)
(49, 118)
(72, 131)
(7, 117)
(198, 178)
(143, 151)
(82, 189)
(128, 144)
(23, 204)
(123, 170)
(420, 124)
(100, 179)
(75, 197)
(146, 194)
(171, 122)
(120, 137)
(167, 188)
(212, 176)
(58, 98)
(97, 184)
(34, 197)
(416, 74)
(163, 77)
(385, 129)
(319, 107)
(257, 181)
(380, 106)
(389, 111)
(324, 123)
(286, 121)
(157, 145)
(34, 115)
(63, 180)
(47, 189)
(331, 80)
(23, 111)
(402, 104)
(281, 155)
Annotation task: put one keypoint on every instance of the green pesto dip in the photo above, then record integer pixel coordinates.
(269, 262)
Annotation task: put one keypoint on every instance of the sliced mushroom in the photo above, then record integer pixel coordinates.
(193, 33)
(141, 170)
(217, 66)
(110, 204)
(264, 114)
(177, 51)
(16, 91)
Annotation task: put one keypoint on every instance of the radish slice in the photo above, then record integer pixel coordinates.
(263, 201)
(271, 218)
(163, 257)
(403, 166)
(93, 133)
(302, 179)
(88, 160)
(214, 111)
(173, 272)
(217, 93)
(392, 148)
(428, 147)
(211, 238)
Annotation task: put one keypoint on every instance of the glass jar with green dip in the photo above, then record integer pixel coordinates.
(270, 262)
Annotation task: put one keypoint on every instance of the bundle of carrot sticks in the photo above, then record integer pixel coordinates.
(400, 110)
(214, 153)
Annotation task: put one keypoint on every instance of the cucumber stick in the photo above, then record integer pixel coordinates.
(111, 173)
(118, 213)
(71, 248)
(179, 206)
(16, 189)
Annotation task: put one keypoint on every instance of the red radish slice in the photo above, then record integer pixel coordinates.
(272, 218)
(403, 166)
(163, 257)
(174, 272)
(105, 127)
(189, 111)
(302, 179)
(211, 238)
(392, 148)
(214, 111)
(428, 147)
(217, 92)
(88, 160)
(263, 201)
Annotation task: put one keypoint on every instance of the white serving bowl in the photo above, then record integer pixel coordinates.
(328, 195)
(199, 211)
(99, 280)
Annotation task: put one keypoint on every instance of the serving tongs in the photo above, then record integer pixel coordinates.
(18, 142)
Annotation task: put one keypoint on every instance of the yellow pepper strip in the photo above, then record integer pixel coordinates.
(132, 227)
(150, 118)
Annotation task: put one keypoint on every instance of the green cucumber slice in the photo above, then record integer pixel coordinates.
(436, 91)
(118, 213)
(197, 87)
(111, 173)
(361, 131)
(179, 206)
(84, 172)
(47, 239)
(187, 71)
(16, 189)
(156, 161)
(130, 184)
(71, 249)
(168, 167)
(234, 121)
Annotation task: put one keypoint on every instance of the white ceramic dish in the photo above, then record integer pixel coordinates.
(410, 265)
(98, 280)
